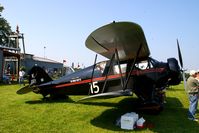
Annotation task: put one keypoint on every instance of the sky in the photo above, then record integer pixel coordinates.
(62, 26)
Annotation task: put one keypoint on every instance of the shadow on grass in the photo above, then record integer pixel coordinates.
(107, 119)
(48, 100)
(172, 119)
(70, 100)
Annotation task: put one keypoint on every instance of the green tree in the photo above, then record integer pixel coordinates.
(4, 25)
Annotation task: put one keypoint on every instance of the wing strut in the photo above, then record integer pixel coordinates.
(118, 62)
(132, 67)
(115, 55)
(109, 69)
(93, 73)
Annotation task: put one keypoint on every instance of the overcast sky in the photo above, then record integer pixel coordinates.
(62, 26)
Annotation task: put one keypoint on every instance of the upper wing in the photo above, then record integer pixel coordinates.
(126, 37)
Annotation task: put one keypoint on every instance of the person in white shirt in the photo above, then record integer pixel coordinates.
(21, 77)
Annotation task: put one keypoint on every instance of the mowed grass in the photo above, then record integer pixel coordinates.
(29, 113)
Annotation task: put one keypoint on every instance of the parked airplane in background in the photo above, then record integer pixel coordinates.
(129, 69)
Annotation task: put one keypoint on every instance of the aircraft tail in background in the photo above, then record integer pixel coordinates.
(37, 76)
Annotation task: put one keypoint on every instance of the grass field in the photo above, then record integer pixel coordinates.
(28, 113)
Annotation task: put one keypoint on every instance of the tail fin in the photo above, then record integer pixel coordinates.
(37, 76)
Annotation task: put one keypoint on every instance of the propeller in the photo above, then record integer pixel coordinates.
(181, 64)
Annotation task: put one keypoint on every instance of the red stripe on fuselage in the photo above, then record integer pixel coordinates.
(89, 80)
(135, 72)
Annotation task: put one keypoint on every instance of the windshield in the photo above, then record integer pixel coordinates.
(100, 66)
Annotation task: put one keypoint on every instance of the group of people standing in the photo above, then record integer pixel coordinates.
(192, 89)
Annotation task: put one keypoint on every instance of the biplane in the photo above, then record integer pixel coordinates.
(128, 70)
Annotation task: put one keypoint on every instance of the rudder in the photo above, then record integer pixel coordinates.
(37, 76)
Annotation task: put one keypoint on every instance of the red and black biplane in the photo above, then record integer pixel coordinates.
(129, 69)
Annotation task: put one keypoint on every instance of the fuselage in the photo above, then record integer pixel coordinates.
(96, 79)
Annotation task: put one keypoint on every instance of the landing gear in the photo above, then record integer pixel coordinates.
(154, 105)
(150, 107)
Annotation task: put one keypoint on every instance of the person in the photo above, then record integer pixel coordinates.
(21, 77)
(8, 69)
(192, 89)
(8, 74)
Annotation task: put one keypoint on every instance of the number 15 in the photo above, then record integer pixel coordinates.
(93, 86)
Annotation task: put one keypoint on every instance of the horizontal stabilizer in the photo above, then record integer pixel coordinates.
(109, 94)
(25, 89)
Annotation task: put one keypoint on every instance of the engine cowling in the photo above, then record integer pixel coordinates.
(174, 71)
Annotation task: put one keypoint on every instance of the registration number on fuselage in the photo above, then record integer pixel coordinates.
(75, 80)
(94, 88)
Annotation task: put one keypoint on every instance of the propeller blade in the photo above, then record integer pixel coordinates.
(24, 90)
(109, 94)
(181, 63)
(179, 54)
